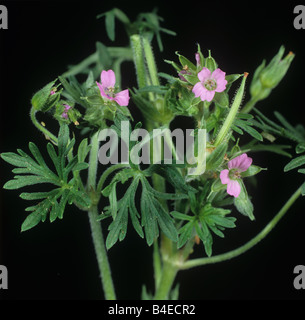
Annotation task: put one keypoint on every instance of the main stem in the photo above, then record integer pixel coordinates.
(96, 230)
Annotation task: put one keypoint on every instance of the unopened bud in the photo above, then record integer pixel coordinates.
(271, 75)
(46, 98)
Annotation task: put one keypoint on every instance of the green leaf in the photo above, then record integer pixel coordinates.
(152, 213)
(275, 148)
(21, 181)
(104, 58)
(215, 159)
(246, 126)
(251, 171)
(31, 221)
(110, 25)
(172, 175)
(185, 233)
(303, 189)
(181, 216)
(36, 171)
(118, 227)
(294, 163)
(83, 150)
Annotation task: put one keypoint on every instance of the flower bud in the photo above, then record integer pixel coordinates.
(46, 98)
(210, 63)
(271, 75)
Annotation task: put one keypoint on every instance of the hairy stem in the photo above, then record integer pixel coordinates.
(138, 59)
(96, 230)
(169, 272)
(40, 127)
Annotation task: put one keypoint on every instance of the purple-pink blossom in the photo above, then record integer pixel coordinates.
(209, 84)
(65, 113)
(107, 89)
(231, 176)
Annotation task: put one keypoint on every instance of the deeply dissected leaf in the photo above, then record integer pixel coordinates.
(36, 171)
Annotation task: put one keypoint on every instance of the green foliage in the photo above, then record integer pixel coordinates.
(32, 170)
(152, 214)
(145, 23)
(204, 221)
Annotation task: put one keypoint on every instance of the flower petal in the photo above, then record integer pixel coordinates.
(122, 98)
(219, 76)
(224, 176)
(233, 188)
(204, 74)
(221, 86)
(242, 163)
(245, 163)
(108, 79)
(103, 94)
(198, 89)
(209, 95)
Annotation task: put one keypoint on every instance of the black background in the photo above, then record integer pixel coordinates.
(57, 261)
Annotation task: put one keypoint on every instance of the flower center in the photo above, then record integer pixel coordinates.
(210, 84)
(109, 91)
(234, 174)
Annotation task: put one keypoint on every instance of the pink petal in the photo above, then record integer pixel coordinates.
(233, 188)
(204, 74)
(221, 86)
(224, 176)
(242, 162)
(122, 98)
(209, 95)
(218, 75)
(198, 89)
(103, 94)
(108, 79)
(245, 163)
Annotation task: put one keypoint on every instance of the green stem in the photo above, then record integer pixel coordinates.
(150, 60)
(44, 130)
(138, 58)
(157, 264)
(101, 254)
(96, 230)
(116, 53)
(234, 253)
(169, 273)
(249, 105)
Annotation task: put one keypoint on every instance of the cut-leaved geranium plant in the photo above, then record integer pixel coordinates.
(175, 195)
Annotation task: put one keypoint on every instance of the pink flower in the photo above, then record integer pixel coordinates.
(65, 113)
(107, 89)
(209, 84)
(230, 177)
